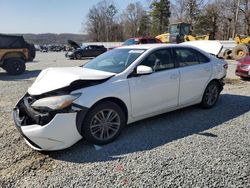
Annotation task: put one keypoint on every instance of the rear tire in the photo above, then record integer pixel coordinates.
(211, 95)
(239, 51)
(14, 66)
(103, 123)
(78, 56)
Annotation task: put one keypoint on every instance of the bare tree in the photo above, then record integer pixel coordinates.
(222, 19)
(207, 22)
(178, 8)
(187, 10)
(236, 15)
(132, 17)
(234, 18)
(245, 10)
(101, 20)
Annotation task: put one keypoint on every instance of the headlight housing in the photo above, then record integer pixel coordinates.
(55, 102)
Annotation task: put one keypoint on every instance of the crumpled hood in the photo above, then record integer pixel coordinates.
(210, 46)
(55, 78)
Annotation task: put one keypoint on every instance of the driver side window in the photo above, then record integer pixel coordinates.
(159, 60)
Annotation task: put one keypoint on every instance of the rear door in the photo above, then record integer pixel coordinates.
(157, 91)
(195, 72)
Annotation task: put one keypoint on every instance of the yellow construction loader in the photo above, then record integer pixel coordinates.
(180, 32)
(240, 50)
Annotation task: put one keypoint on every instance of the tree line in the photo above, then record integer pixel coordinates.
(221, 19)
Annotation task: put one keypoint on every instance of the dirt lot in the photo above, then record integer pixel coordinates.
(191, 147)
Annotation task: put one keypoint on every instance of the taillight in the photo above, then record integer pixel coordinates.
(225, 66)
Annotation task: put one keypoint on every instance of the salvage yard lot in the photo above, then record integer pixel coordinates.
(191, 147)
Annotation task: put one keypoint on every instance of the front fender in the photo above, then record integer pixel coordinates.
(91, 95)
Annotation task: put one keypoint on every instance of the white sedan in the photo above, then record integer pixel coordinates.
(124, 85)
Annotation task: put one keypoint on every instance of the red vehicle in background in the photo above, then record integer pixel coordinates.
(243, 67)
(141, 40)
(138, 40)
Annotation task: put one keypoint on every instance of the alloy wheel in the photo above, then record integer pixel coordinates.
(211, 94)
(105, 124)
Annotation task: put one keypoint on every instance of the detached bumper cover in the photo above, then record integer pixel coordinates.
(57, 132)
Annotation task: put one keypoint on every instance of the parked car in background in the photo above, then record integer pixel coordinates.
(55, 48)
(119, 87)
(44, 48)
(141, 40)
(14, 53)
(88, 51)
(243, 67)
(138, 40)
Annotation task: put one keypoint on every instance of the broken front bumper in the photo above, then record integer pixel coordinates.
(59, 131)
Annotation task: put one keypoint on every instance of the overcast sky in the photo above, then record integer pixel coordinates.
(48, 16)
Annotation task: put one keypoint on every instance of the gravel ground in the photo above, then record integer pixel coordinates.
(185, 148)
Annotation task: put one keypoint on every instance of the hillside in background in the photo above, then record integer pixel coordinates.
(51, 38)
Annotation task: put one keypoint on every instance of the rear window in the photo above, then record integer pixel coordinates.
(189, 57)
(130, 42)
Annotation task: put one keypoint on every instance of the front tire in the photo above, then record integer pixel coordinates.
(103, 123)
(211, 95)
(78, 56)
(14, 66)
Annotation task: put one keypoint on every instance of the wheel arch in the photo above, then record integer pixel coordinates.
(81, 115)
(115, 100)
(13, 55)
(218, 81)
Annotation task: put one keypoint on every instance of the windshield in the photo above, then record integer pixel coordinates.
(173, 29)
(186, 29)
(116, 60)
(130, 42)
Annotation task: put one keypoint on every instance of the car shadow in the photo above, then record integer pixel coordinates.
(157, 131)
(4, 76)
(87, 58)
(246, 79)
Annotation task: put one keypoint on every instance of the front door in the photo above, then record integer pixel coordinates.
(157, 91)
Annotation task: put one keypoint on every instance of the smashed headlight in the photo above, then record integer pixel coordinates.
(55, 102)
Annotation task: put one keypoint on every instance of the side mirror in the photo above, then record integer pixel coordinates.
(142, 70)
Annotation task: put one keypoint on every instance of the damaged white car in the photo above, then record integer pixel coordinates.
(119, 87)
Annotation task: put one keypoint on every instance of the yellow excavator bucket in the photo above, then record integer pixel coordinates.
(198, 37)
(242, 39)
(163, 37)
